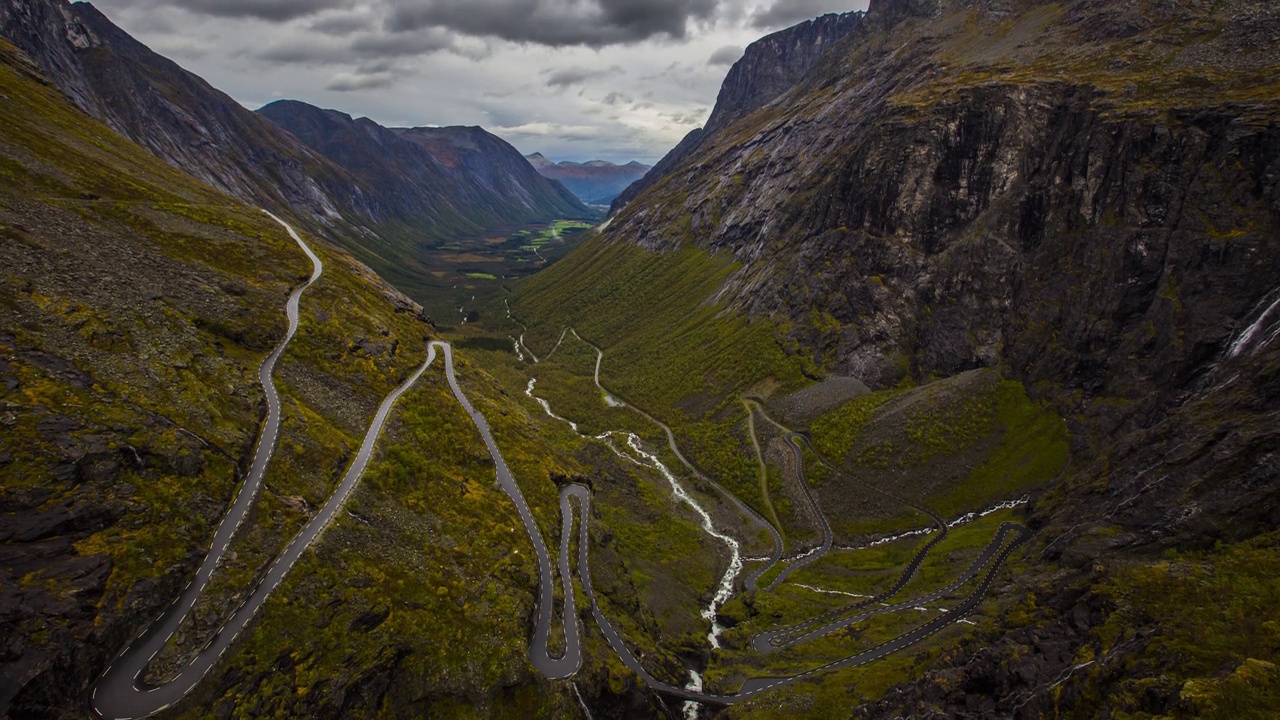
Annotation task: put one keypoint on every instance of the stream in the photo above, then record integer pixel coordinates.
(650, 460)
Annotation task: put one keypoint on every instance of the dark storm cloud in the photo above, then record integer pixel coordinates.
(341, 25)
(365, 47)
(784, 13)
(274, 10)
(592, 23)
(726, 55)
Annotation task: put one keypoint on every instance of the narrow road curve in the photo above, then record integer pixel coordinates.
(784, 637)
(117, 694)
(828, 538)
(764, 470)
(539, 652)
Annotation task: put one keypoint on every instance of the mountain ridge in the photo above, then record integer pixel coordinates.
(1081, 198)
(199, 129)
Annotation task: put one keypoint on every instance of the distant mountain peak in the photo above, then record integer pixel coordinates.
(596, 182)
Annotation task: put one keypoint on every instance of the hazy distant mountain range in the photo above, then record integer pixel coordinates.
(596, 182)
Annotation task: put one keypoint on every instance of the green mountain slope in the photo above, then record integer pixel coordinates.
(138, 307)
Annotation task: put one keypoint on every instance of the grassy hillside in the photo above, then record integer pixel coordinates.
(138, 307)
(957, 445)
(669, 348)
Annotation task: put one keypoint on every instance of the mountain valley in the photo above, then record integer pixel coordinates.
(935, 376)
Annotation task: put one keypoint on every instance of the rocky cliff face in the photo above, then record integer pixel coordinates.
(769, 67)
(596, 182)
(988, 203)
(174, 114)
(1087, 195)
(773, 64)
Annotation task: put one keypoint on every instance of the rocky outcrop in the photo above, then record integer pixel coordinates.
(596, 182)
(773, 65)
(962, 226)
(769, 67)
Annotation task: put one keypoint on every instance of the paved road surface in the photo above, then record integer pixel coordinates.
(119, 693)
(539, 653)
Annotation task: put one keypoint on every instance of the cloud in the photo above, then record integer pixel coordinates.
(183, 46)
(366, 77)
(340, 25)
(785, 13)
(350, 82)
(557, 23)
(693, 118)
(305, 51)
(273, 10)
(402, 45)
(725, 56)
(568, 77)
(581, 101)
(369, 46)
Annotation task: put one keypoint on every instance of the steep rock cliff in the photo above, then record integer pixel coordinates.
(1086, 195)
(769, 67)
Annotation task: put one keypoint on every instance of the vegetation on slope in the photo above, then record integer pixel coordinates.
(669, 349)
(139, 306)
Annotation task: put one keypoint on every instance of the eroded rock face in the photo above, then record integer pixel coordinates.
(901, 227)
(769, 67)
(773, 65)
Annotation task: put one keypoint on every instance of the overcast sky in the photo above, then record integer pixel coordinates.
(574, 79)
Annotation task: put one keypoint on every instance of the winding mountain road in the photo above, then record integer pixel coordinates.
(119, 694)
(992, 557)
(828, 538)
